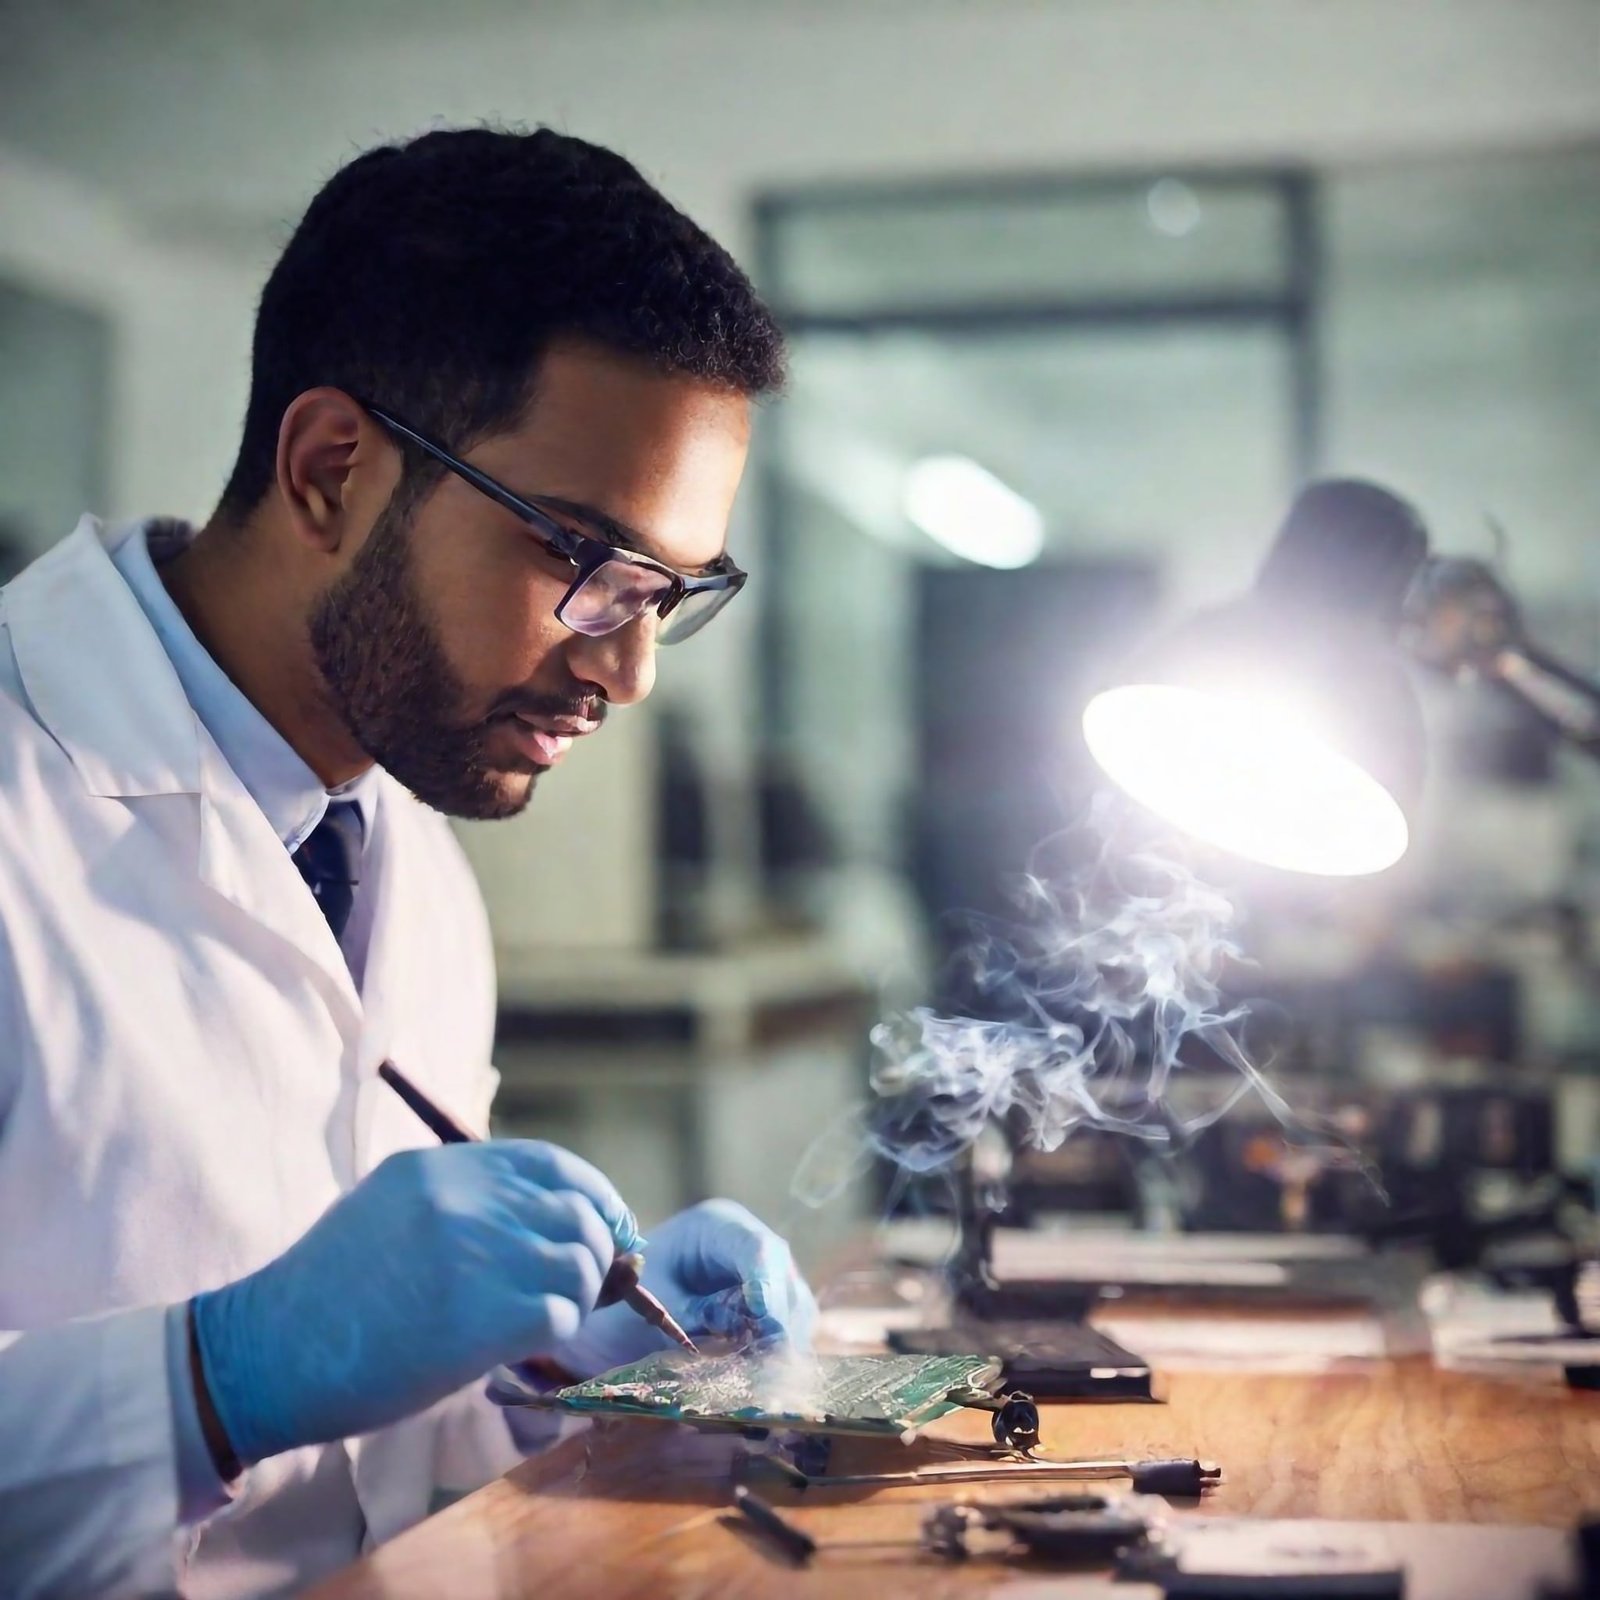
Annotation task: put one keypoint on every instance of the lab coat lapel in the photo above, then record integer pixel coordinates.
(386, 978)
(244, 860)
(385, 1466)
(410, 1018)
(103, 685)
(393, 985)
(98, 676)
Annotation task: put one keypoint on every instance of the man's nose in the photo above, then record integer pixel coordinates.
(621, 665)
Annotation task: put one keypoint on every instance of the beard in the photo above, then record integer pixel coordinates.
(387, 677)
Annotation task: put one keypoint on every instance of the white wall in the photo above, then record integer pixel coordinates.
(244, 109)
(54, 370)
(180, 325)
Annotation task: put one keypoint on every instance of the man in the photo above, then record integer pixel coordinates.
(499, 410)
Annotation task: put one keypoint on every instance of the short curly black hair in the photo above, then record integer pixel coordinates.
(431, 275)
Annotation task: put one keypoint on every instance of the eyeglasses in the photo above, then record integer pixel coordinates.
(612, 586)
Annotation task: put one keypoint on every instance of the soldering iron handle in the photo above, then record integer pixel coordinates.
(1182, 1478)
(440, 1123)
(621, 1281)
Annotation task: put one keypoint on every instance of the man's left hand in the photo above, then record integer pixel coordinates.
(721, 1273)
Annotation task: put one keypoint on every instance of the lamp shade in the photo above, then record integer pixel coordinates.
(1283, 726)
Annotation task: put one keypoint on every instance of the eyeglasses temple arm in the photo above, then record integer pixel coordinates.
(563, 542)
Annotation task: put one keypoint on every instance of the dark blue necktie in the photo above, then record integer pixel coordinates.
(330, 862)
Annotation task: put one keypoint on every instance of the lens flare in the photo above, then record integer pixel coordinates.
(1247, 774)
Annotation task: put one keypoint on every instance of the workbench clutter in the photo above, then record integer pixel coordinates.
(799, 1404)
(796, 1406)
(1138, 1551)
(1076, 1530)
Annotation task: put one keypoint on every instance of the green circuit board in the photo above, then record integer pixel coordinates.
(882, 1396)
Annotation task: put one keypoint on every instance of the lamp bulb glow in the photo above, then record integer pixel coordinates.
(1247, 774)
(972, 513)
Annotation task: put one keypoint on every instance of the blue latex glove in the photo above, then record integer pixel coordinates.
(720, 1272)
(439, 1265)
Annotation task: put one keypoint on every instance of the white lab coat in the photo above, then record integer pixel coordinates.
(187, 1081)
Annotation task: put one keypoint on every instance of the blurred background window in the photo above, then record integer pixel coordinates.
(1461, 330)
(55, 371)
(1139, 367)
(1019, 412)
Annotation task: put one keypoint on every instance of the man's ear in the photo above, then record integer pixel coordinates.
(336, 469)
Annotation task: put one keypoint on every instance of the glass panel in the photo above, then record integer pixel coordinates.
(1462, 339)
(1162, 238)
(1162, 447)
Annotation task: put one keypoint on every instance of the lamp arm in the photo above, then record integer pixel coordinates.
(1561, 697)
(1461, 619)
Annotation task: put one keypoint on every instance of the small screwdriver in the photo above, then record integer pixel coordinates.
(621, 1281)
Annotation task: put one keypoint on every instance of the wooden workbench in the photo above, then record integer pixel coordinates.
(639, 1510)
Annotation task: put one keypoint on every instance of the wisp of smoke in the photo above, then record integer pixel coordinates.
(1106, 985)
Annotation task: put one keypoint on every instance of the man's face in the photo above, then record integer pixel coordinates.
(439, 644)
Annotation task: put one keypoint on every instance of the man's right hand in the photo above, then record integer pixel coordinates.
(439, 1265)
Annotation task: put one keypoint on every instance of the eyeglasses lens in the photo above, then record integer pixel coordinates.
(692, 613)
(612, 596)
(618, 591)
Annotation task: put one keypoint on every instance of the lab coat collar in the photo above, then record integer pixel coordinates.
(97, 675)
(104, 687)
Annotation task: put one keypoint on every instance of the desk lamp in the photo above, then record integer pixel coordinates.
(1282, 727)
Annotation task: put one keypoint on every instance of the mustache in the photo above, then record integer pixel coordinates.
(587, 705)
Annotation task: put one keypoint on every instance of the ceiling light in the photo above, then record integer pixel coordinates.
(969, 511)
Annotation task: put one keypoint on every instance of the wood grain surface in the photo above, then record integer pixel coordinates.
(640, 1508)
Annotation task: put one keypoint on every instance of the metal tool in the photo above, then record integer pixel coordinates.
(793, 1540)
(1181, 1477)
(1065, 1529)
(621, 1281)
(1016, 1436)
